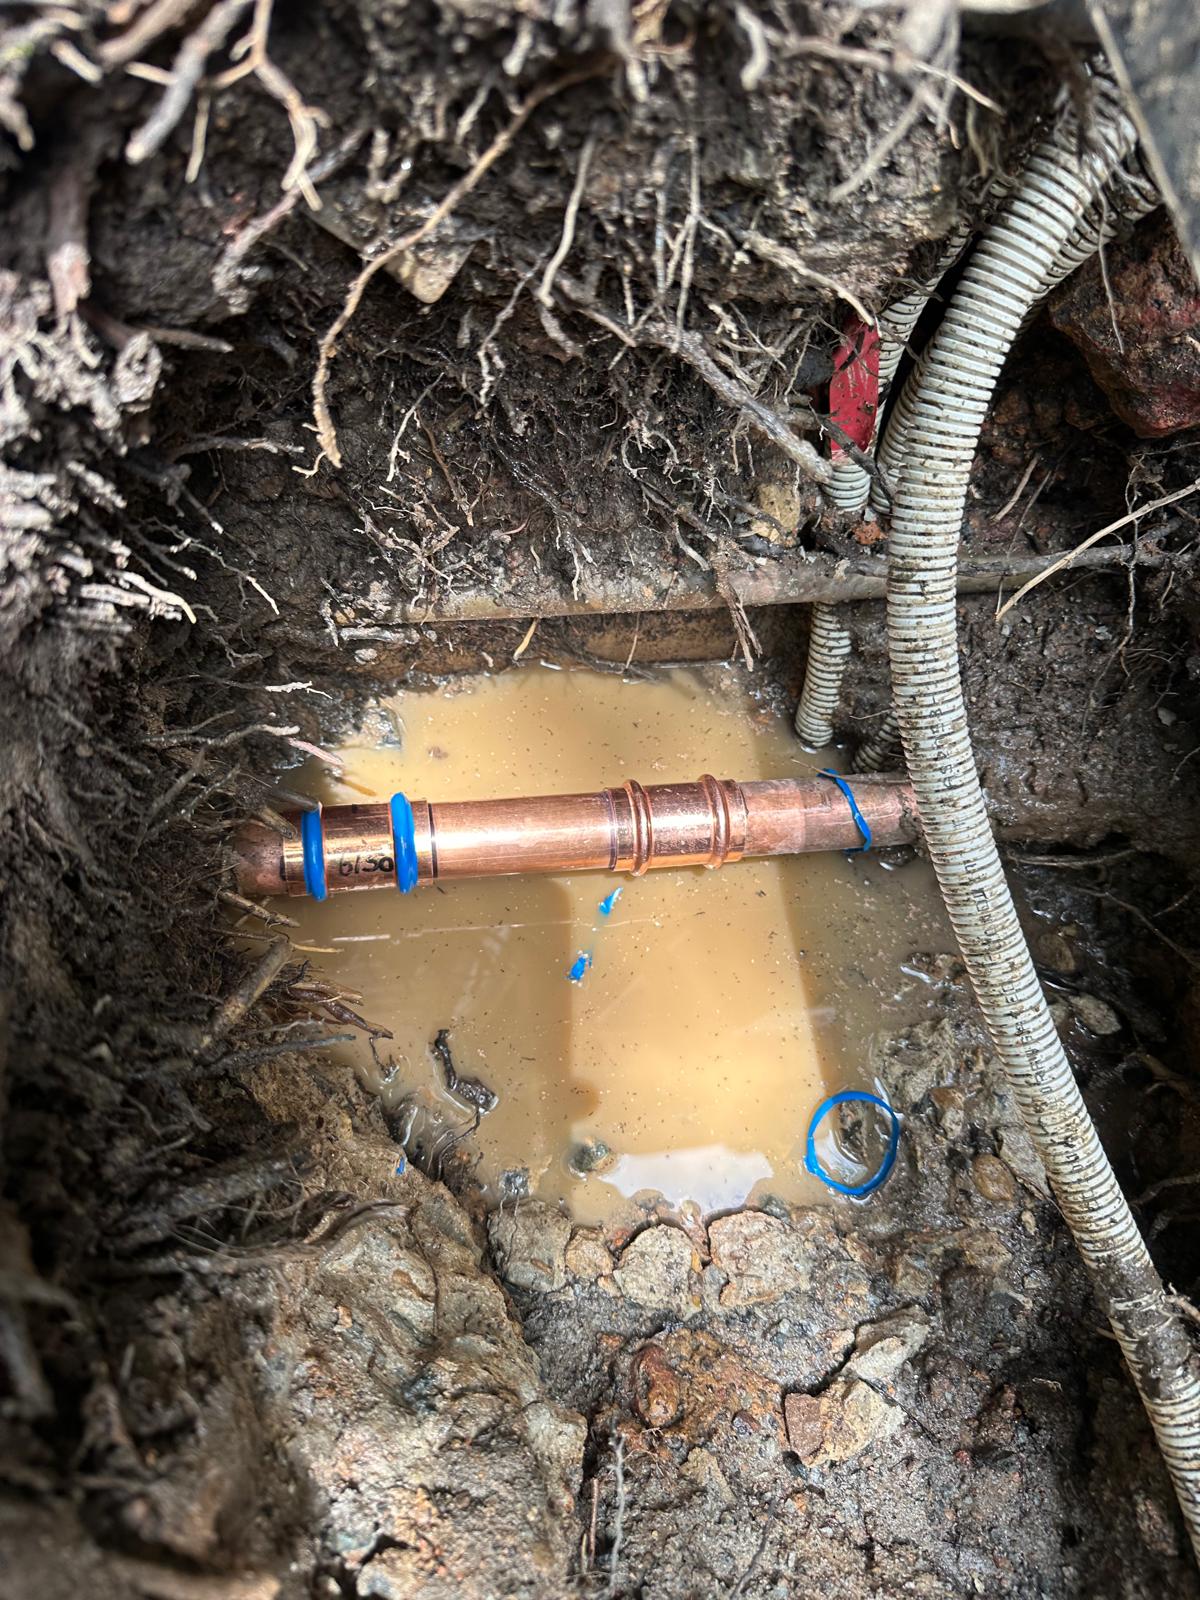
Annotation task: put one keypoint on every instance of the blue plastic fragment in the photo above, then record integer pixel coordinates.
(861, 822)
(401, 1166)
(880, 1175)
(312, 847)
(404, 842)
(579, 966)
(609, 902)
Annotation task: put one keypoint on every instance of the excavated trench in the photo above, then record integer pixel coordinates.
(254, 1340)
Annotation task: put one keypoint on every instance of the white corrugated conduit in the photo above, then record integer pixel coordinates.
(1005, 276)
(880, 751)
(829, 641)
(828, 652)
(1130, 196)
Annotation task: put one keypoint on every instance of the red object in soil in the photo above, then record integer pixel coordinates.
(854, 387)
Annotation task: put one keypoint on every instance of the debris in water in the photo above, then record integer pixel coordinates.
(591, 1155)
(514, 1184)
(579, 966)
(609, 902)
(471, 1090)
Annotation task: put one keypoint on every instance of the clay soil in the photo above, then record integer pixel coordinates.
(240, 1353)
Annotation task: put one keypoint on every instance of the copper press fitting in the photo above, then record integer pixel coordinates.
(630, 829)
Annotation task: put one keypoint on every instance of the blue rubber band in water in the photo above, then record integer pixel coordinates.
(880, 1175)
(312, 846)
(864, 827)
(404, 841)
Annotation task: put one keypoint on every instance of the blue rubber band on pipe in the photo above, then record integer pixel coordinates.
(880, 1175)
(404, 842)
(864, 827)
(312, 846)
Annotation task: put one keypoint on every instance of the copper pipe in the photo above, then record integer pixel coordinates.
(631, 829)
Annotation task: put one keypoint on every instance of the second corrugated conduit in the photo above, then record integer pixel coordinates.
(1005, 276)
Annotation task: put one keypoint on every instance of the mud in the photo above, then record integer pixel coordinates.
(240, 1353)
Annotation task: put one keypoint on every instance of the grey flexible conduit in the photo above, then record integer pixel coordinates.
(828, 652)
(1004, 277)
(880, 751)
(829, 640)
(1131, 197)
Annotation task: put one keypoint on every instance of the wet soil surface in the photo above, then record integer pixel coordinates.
(241, 1353)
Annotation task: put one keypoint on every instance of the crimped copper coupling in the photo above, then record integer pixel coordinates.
(402, 843)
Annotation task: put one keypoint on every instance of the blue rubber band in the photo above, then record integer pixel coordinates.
(864, 826)
(880, 1175)
(312, 846)
(404, 841)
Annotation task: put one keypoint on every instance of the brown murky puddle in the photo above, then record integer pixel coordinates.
(718, 1008)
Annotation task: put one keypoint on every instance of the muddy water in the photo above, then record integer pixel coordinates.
(672, 1043)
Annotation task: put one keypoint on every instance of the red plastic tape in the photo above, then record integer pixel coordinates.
(854, 387)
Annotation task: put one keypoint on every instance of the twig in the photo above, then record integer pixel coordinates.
(251, 908)
(527, 640)
(618, 1514)
(1108, 858)
(879, 153)
(304, 119)
(251, 989)
(746, 637)
(901, 64)
(67, 259)
(691, 348)
(186, 72)
(322, 417)
(1189, 956)
(782, 255)
(224, 275)
(1181, 1180)
(220, 741)
(1092, 538)
(570, 216)
(156, 20)
(1010, 503)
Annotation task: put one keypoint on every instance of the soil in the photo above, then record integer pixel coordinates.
(246, 1350)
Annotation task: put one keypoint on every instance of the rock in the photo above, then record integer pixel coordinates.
(911, 1276)
(1097, 1016)
(882, 1347)
(701, 1467)
(762, 1257)
(591, 1155)
(981, 1248)
(656, 1270)
(782, 504)
(391, 1366)
(1021, 1158)
(914, 1272)
(839, 1424)
(1060, 1014)
(924, 1058)
(941, 968)
(805, 1427)
(692, 1391)
(531, 1245)
(851, 1413)
(658, 1392)
(1054, 950)
(427, 270)
(992, 1179)
(588, 1257)
(949, 1107)
(1149, 364)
